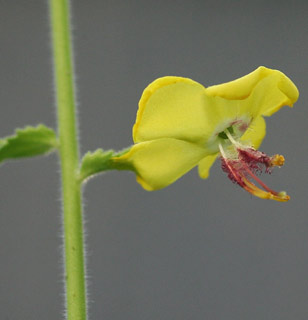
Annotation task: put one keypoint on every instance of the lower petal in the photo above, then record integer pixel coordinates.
(160, 162)
(255, 134)
(205, 165)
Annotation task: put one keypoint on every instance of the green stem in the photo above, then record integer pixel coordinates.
(69, 154)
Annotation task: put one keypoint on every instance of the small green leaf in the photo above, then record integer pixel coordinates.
(28, 142)
(99, 161)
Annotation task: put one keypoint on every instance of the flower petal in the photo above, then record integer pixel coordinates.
(205, 165)
(255, 133)
(160, 162)
(171, 107)
(272, 93)
(241, 88)
(266, 91)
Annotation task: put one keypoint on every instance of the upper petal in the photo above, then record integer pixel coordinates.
(265, 89)
(171, 107)
(160, 162)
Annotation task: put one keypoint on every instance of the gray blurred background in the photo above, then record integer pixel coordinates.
(199, 249)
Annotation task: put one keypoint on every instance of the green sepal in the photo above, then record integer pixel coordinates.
(99, 161)
(28, 142)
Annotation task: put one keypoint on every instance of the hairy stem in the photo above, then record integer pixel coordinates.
(69, 155)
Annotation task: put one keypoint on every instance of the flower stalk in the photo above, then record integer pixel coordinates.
(69, 156)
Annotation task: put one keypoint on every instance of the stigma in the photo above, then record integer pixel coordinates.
(244, 163)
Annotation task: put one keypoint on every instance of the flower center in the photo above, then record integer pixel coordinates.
(243, 163)
(236, 126)
(223, 135)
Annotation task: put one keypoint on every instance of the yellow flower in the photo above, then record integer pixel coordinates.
(181, 124)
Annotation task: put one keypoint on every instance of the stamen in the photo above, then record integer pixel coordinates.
(245, 165)
(229, 135)
(258, 180)
(270, 194)
(277, 160)
(253, 189)
(256, 159)
(222, 151)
